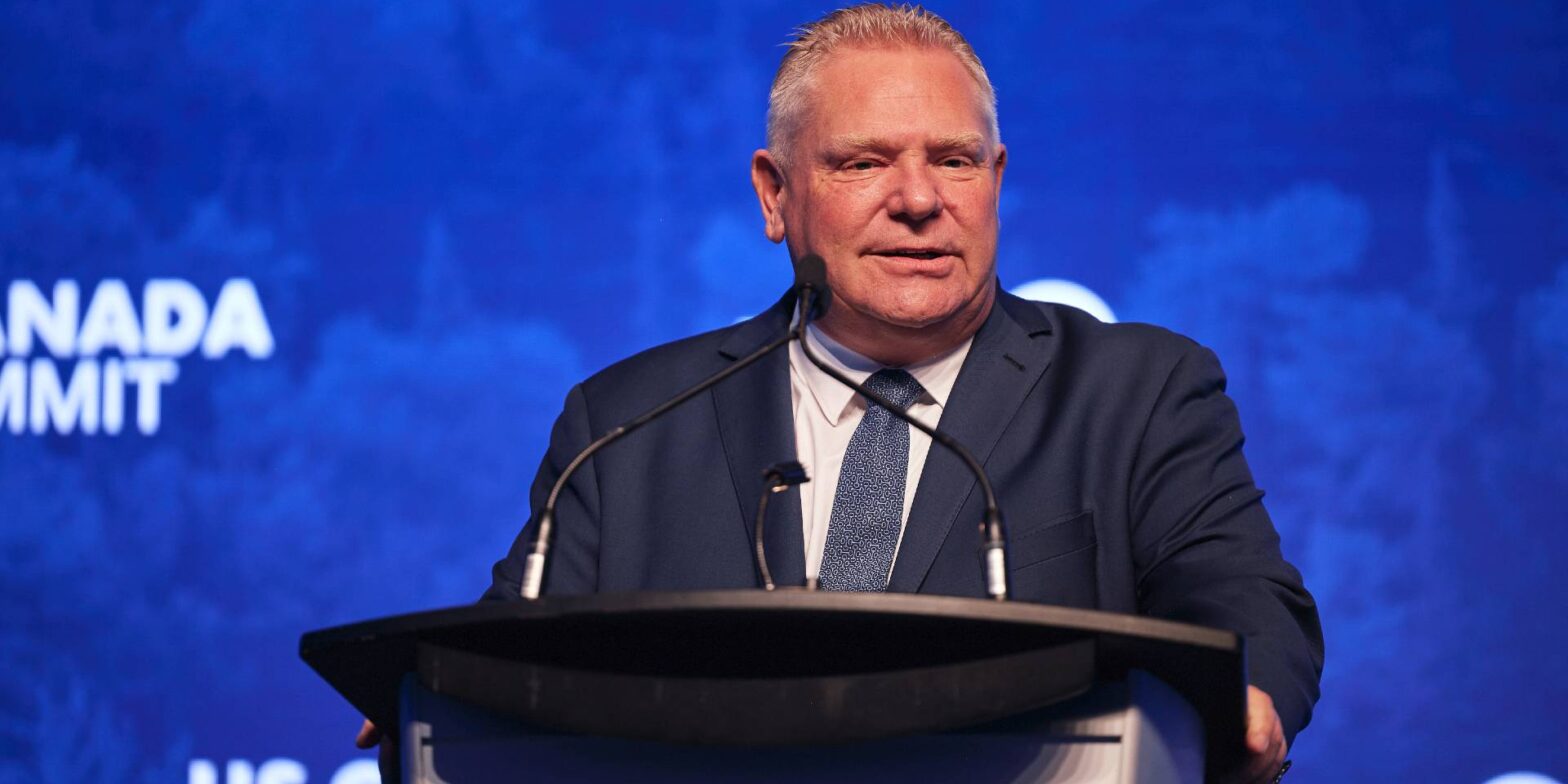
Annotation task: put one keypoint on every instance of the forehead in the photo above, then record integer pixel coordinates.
(894, 91)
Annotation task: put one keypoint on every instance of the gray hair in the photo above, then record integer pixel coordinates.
(872, 25)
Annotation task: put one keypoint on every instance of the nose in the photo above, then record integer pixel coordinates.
(916, 195)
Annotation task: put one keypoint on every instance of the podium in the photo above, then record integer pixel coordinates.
(791, 685)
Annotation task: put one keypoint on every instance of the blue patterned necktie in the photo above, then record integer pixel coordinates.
(868, 509)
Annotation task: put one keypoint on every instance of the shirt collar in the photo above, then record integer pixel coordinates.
(937, 374)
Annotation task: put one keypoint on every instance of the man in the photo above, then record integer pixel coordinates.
(1113, 447)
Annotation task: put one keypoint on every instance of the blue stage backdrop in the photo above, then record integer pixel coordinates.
(293, 289)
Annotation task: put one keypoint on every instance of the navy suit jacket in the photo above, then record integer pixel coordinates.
(1115, 453)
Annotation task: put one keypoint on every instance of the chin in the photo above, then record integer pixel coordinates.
(920, 306)
(916, 316)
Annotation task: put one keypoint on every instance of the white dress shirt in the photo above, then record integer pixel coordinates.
(827, 413)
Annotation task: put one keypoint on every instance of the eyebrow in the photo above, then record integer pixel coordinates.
(959, 140)
(852, 142)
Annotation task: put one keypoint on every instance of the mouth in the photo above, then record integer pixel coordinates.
(921, 254)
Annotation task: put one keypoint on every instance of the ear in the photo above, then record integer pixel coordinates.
(767, 178)
(1001, 164)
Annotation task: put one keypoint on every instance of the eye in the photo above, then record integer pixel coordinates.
(861, 165)
(956, 163)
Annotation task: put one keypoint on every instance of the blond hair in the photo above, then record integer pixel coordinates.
(868, 25)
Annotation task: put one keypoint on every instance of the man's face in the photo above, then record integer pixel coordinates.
(893, 180)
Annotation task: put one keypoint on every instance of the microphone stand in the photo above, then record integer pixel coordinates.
(532, 582)
(813, 295)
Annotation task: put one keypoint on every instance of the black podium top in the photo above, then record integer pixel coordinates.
(767, 668)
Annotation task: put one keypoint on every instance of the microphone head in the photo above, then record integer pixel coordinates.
(811, 271)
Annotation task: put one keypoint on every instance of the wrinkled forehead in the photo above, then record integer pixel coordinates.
(866, 92)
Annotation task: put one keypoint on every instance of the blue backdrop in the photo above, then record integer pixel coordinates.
(294, 288)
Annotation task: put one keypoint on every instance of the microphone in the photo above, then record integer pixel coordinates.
(993, 536)
(811, 297)
(776, 479)
(811, 273)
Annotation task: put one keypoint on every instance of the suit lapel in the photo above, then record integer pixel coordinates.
(758, 430)
(1007, 358)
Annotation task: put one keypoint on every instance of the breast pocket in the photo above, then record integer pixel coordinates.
(1054, 562)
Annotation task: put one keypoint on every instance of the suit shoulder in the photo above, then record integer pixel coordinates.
(1121, 341)
(668, 363)
(1129, 357)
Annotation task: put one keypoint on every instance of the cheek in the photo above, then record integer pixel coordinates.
(842, 217)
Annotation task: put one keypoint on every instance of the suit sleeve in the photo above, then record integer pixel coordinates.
(573, 565)
(1206, 550)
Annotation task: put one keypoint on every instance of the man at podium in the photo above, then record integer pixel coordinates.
(1113, 448)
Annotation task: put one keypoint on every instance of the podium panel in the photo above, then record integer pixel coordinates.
(1135, 730)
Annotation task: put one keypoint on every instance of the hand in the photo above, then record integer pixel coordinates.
(369, 736)
(1265, 739)
(387, 760)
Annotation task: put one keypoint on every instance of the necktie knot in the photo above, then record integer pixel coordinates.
(896, 385)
